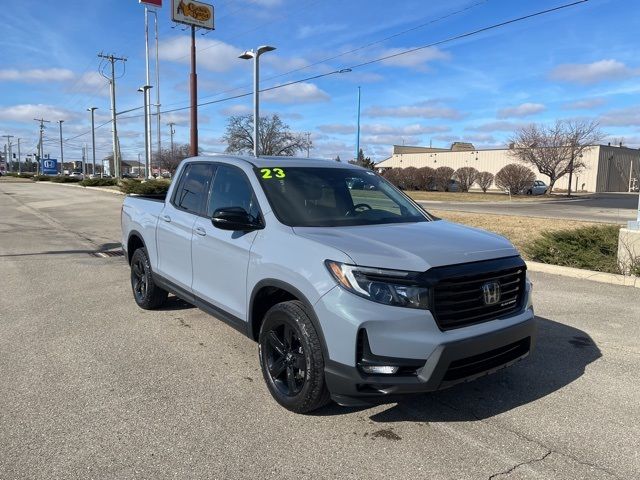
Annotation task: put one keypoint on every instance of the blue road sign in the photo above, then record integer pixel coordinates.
(50, 166)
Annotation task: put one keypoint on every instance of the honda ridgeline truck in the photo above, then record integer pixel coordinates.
(350, 288)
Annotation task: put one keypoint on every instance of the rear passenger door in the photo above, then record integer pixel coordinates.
(221, 257)
(175, 225)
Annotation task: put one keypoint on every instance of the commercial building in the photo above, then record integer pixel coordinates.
(608, 168)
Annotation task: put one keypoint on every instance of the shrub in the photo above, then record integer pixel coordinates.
(41, 178)
(26, 175)
(593, 248)
(425, 178)
(442, 177)
(393, 176)
(514, 178)
(409, 178)
(99, 182)
(65, 179)
(150, 187)
(466, 176)
(484, 180)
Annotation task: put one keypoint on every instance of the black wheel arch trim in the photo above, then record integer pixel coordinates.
(287, 287)
(133, 233)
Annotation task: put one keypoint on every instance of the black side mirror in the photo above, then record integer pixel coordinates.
(236, 219)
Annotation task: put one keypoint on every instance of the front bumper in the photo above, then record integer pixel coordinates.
(449, 364)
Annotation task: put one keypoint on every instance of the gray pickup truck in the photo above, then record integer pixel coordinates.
(351, 289)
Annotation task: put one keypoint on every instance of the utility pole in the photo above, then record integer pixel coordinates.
(112, 81)
(8, 156)
(358, 129)
(40, 146)
(19, 161)
(308, 134)
(61, 149)
(172, 131)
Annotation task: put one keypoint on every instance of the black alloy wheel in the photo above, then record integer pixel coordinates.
(291, 358)
(285, 358)
(145, 292)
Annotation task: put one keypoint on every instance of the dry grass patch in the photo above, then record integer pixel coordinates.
(519, 230)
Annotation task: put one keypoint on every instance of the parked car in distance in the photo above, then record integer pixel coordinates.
(350, 293)
(129, 175)
(76, 175)
(538, 187)
(358, 184)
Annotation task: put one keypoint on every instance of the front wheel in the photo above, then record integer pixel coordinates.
(291, 358)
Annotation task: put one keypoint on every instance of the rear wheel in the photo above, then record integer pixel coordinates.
(146, 293)
(291, 358)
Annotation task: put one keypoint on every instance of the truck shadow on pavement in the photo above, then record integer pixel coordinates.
(560, 357)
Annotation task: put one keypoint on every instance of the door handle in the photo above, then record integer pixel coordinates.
(200, 231)
(166, 218)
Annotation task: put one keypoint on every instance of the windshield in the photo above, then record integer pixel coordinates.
(326, 197)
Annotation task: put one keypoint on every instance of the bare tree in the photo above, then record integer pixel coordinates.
(169, 160)
(484, 180)
(442, 177)
(275, 136)
(557, 149)
(466, 176)
(515, 178)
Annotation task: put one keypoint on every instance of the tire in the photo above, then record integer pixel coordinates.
(529, 192)
(291, 358)
(146, 293)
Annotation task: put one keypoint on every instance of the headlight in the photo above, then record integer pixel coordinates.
(390, 287)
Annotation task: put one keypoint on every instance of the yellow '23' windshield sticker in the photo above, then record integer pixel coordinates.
(268, 173)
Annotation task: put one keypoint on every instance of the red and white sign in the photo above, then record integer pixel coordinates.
(152, 3)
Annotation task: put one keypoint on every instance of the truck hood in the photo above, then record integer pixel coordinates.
(411, 246)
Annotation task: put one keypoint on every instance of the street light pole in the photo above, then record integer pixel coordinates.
(358, 129)
(256, 91)
(147, 141)
(62, 150)
(93, 140)
(19, 162)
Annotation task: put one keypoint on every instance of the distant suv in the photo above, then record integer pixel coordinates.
(351, 293)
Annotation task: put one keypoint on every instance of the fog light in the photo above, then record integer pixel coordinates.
(379, 369)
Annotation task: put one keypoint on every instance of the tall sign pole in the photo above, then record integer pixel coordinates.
(193, 146)
(196, 15)
(358, 129)
(61, 149)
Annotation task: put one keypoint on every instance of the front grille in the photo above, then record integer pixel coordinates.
(467, 367)
(458, 298)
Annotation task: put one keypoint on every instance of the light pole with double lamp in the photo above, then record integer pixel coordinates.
(147, 147)
(255, 54)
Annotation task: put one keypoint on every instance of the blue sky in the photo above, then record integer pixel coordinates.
(576, 63)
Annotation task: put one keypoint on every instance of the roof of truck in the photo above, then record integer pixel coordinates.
(279, 161)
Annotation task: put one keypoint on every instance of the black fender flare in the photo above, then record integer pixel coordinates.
(272, 282)
(125, 247)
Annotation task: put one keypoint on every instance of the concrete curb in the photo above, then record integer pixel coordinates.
(601, 277)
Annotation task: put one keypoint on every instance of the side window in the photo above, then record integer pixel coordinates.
(231, 188)
(193, 187)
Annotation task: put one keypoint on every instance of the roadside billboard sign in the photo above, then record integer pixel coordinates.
(193, 13)
(152, 3)
(49, 166)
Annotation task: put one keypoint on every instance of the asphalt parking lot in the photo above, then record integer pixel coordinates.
(600, 207)
(93, 387)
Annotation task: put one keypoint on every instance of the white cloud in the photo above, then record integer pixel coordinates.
(629, 116)
(36, 75)
(27, 112)
(417, 59)
(213, 55)
(588, 73)
(383, 129)
(427, 109)
(501, 126)
(296, 93)
(91, 82)
(584, 104)
(306, 31)
(389, 139)
(237, 110)
(521, 110)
